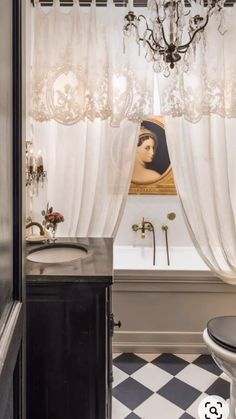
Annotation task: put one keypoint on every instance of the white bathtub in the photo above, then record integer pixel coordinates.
(165, 308)
(141, 258)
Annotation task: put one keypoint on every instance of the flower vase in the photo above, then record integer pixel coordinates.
(54, 229)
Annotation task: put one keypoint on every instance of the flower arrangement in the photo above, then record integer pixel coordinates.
(51, 219)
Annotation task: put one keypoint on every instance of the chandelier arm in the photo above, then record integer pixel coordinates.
(187, 13)
(157, 47)
(145, 19)
(193, 36)
(153, 39)
(177, 13)
(160, 22)
(177, 18)
(184, 14)
(164, 36)
(151, 34)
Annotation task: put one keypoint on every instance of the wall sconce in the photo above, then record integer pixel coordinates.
(35, 173)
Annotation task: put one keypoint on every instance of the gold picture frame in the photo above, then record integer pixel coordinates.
(160, 163)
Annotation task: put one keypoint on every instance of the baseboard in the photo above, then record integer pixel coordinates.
(158, 342)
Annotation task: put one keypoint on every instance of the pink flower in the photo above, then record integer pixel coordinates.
(54, 217)
(51, 218)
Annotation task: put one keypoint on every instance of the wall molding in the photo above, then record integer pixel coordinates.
(165, 281)
(158, 342)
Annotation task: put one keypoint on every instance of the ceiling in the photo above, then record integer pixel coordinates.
(119, 3)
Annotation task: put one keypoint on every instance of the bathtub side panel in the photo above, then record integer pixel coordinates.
(168, 314)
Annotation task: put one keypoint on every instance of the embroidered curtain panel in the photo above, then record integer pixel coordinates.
(209, 86)
(87, 98)
(80, 69)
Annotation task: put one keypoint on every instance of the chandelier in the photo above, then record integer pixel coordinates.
(172, 29)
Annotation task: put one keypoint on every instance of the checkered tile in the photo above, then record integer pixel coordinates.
(166, 386)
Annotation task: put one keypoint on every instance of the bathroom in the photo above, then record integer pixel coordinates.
(161, 291)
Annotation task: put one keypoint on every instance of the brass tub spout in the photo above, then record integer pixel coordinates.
(147, 226)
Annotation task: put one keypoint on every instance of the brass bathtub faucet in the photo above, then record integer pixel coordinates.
(147, 226)
(143, 226)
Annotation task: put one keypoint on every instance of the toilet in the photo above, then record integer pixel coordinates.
(220, 338)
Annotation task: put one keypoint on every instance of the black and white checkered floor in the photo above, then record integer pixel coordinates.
(164, 386)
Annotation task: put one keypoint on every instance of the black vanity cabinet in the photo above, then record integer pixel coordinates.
(69, 354)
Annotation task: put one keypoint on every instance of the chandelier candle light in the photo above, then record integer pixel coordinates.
(35, 172)
(172, 29)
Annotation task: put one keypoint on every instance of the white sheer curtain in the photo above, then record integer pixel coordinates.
(87, 100)
(200, 109)
(89, 166)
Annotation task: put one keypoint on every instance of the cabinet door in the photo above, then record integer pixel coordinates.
(86, 352)
(67, 352)
(46, 376)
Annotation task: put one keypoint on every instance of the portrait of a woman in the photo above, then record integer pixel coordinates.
(152, 173)
(146, 149)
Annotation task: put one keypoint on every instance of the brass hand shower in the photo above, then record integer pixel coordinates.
(171, 216)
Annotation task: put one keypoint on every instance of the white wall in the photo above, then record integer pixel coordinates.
(155, 209)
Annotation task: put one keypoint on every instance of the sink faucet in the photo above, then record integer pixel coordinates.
(147, 226)
(34, 223)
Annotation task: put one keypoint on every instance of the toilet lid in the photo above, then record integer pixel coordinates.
(222, 330)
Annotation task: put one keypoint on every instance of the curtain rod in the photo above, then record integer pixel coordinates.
(118, 3)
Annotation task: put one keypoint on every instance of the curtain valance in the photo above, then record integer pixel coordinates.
(80, 70)
(209, 85)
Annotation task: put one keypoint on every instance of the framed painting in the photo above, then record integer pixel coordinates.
(152, 173)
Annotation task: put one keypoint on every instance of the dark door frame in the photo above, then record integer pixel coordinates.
(12, 342)
(18, 291)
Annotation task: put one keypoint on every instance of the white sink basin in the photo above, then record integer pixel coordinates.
(57, 253)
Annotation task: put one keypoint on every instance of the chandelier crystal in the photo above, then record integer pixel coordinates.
(172, 29)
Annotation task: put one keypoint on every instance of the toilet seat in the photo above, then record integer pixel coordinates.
(222, 330)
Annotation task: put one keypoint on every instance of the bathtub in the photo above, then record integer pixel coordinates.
(141, 258)
(165, 308)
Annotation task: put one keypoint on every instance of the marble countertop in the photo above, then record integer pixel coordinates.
(97, 266)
